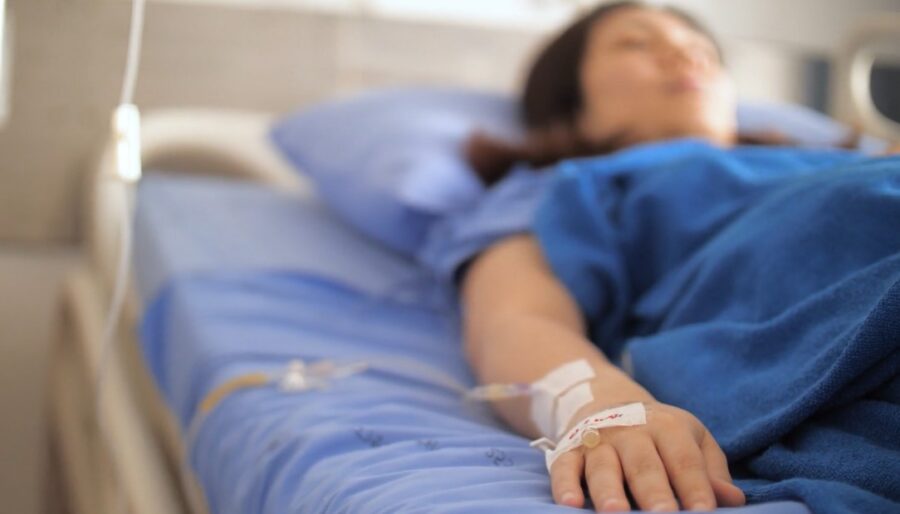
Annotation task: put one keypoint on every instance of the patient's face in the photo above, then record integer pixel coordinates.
(648, 75)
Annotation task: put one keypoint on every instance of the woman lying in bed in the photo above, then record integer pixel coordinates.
(627, 247)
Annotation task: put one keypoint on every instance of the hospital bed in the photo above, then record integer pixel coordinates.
(202, 142)
(142, 463)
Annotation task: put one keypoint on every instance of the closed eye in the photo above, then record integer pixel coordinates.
(632, 43)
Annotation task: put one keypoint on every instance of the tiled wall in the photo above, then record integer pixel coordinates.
(69, 56)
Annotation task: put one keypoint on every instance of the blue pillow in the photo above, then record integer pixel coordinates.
(390, 162)
(807, 127)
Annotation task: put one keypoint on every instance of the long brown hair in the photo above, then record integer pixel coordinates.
(552, 99)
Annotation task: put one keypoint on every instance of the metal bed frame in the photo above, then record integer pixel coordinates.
(138, 467)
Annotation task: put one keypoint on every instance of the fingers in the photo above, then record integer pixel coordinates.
(676, 457)
(604, 479)
(645, 473)
(727, 494)
(686, 467)
(565, 479)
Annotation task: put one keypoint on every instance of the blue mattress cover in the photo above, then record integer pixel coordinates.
(186, 225)
(240, 278)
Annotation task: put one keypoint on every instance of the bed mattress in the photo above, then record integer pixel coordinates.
(241, 279)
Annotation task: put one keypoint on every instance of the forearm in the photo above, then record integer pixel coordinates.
(525, 347)
(521, 323)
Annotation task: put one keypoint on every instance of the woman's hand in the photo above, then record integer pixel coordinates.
(520, 324)
(672, 457)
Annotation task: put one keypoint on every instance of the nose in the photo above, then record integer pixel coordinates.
(681, 55)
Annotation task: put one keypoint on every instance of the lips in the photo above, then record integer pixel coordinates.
(686, 84)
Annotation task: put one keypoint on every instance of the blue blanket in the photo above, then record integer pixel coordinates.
(757, 288)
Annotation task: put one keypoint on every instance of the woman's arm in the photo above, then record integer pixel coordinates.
(520, 323)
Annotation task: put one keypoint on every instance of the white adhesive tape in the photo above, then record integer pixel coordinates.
(542, 404)
(550, 387)
(622, 416)
(557, 381)
(570, 403)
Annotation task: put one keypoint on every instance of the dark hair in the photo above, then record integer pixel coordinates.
(552, 93)
(552, 100)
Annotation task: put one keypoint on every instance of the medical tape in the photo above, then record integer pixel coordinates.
(570, 403)
(558, 380)
(585, 431)
(550, 387)
(542, 405)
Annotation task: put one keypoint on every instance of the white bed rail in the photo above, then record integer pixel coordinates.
(231, 144)
(873, 39)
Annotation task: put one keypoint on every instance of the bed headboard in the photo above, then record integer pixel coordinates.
(271, 56)
(226, 143)
(875, 40)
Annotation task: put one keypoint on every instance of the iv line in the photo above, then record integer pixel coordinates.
(126, 134)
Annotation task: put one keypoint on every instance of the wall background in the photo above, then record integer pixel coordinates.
(68, 57)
